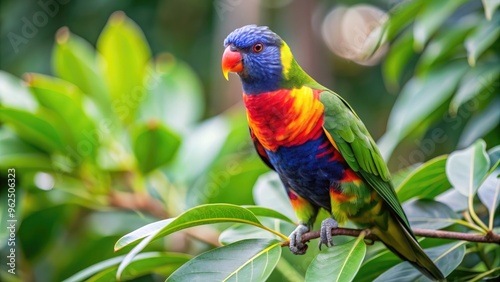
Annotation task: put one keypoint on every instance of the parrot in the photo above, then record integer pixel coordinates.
(321, 150)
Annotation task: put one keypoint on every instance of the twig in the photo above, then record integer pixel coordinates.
(490, 237)
(138, 202)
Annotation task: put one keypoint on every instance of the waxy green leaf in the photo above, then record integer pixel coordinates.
(200, 215)
(482, 38)
(154, 145)
(247, 260)
(145, 263)
(429, 214)
(174, 94)
(467, 168)
(490, 6)
(40, 130)
(430, 18)
(125, 54)
(269, 192)
(410, 110)
(489, 192)
(446, 257)
(474, 82)
(65, 101)
(14, 152)
(14, 94)
(76, 61)
(338, 263)
(427, 181)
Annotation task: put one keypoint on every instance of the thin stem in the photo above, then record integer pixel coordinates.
(484, 274)
(469, 224)
(487, 238)
(474, 216)
(472, 213)
(492, 211)
(287, 240)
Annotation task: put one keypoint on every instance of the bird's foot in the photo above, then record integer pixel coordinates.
(325, 237)
(297, 247)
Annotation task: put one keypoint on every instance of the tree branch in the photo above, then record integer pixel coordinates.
(490, 237)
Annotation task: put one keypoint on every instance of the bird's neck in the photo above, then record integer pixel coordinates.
(287, 76)
(286, 117)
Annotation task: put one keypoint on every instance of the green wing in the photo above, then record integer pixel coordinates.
(359, 150)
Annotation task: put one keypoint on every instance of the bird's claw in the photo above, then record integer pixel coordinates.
(326, 232)
(297, 247)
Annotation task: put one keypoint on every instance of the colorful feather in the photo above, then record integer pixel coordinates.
(321, 150)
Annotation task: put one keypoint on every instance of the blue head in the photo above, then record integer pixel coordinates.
(254, 53)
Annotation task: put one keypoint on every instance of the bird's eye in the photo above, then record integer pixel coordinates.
(258, 47)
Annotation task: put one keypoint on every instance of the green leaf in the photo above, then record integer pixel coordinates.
(175, 94)
(231, 178)
(453, 199)
(481, 124)
(14, 94)
(427, 181)
(338, 263)
(231, 167)
(467, 168)
(65, 101)
(400, 16)
(129, 258)
(125, 55)
(482, 38)
(494, 154)
(76, 61)
(154, 145)
(376, 265)
(446, 257)
(489, 191)
(490, 7)
(474, 82)
(36, 233)
(399, 176)
(443, 46)
(14, 152)
(429, 214)
(153, 262)
(411, 108)
(38, 130)
(267, 212)
(195, 157)
(204, 214)
(239, 232)
(141, 233)
(430, 18)
(248, 260)
(269, 192)
(396, 61)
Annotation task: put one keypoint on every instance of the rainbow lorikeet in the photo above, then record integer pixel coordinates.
(321, 150)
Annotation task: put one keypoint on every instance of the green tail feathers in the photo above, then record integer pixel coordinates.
(401, 242)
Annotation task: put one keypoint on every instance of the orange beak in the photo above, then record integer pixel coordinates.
(231, 62)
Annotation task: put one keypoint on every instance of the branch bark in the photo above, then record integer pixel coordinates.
(490, 237)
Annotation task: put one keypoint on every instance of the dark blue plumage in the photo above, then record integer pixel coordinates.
(311, 175)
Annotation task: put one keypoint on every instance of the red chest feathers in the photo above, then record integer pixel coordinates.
(285, 117)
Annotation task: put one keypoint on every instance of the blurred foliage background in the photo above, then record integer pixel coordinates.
(115, 114)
